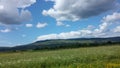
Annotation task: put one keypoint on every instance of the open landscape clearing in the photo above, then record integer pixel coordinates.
(59, 33)
(86, 57)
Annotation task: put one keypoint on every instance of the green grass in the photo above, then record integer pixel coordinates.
(88, 57)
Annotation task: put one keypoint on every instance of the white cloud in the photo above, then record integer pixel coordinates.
(9, 12)
(60, 23)
(66, 35)
(24, 3)
(6, 30)
(115, 17)
(77, 34)
(1, 7)
(45, 37)
(117, 29)
(25, 15)
(109, 20)
(102, 31)
(29, 25)
(41, 25)
(78, 9)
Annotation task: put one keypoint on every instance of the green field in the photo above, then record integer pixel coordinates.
(87, 57)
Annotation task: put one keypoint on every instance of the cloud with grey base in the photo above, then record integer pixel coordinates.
(73, 10)
(9, 12)
(102, 31)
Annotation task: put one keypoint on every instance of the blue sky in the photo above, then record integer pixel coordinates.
(27, 21)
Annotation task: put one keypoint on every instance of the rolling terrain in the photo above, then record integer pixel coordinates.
(64, 43)
(92, 57)
(64, 53)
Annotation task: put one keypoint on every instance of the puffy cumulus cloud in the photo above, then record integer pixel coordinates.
(109, 20)
(115, 17)
(103, 30)
(78, 34)
(46, 37)
(24, 3)
(29, 25)
(78, 9)
(66, 35)
(8, 29)
(117, 29)
(41, 25)
(10, 14)
(60, 23)
(5, 30)
(25, 15)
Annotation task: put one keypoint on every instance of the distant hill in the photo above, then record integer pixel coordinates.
(64, 43)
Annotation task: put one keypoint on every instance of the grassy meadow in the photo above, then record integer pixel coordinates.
(86, 57)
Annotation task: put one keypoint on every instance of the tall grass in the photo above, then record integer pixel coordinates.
(91, 57)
